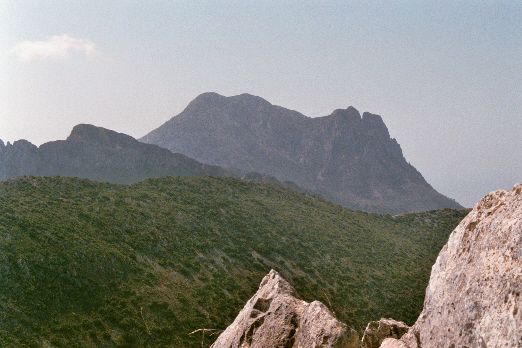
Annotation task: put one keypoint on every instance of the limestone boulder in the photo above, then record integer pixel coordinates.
(473, 298)
(319, 328)
(393, 343)
(275, 317)
(377, 331)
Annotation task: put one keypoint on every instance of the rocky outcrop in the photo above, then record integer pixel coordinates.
(393, 343)
(377, 331)
(474, 294)
(347, 158)
(98, 154)
(275, 317)
(18, 159)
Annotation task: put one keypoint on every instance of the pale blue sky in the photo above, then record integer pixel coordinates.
(446, 76)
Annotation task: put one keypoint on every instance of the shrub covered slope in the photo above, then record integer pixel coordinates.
(86, 264)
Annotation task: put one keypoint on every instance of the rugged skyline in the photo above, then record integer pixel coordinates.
(98, 154)
(346, 157)
(445, 76)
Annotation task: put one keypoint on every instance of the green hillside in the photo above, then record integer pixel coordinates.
(86, 264)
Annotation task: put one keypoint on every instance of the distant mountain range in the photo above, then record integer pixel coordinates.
(98, 154)
(345, 157)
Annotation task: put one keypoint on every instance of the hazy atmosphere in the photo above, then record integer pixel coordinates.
(445, 76)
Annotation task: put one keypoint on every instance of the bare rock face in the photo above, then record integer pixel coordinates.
(319, 328)
(377, 331)
(393, 343)
(474, 295)
(274, 317)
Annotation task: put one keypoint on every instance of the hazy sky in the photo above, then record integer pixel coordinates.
(446, 76)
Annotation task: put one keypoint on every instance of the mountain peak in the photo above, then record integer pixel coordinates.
(372, 118)
(212, 99)
(98, 154)
(345, 157)
(208, 96)
(24, 144)
(101, 136)
(349, 113)
(375, 123)
(250, 99)
(205, 100)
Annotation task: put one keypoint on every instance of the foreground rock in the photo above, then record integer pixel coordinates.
(274, 317)
(377, 331)
(393, 343)
(474, 295)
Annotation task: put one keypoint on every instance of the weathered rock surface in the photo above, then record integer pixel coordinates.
(345, 157)
(377, 331)
(474, 295)
(393, 343)
(275, 317)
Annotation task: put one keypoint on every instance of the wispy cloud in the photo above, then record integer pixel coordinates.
(55, 47)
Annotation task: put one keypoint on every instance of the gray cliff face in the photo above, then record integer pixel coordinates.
(275, 317)
(345, 157)
(98, 154)
(19, 158)
(474, 295)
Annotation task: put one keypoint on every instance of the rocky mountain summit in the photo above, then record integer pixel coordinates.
(98, 154)
(345, 157)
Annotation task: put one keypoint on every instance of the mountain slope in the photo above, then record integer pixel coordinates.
(86, 264)
(345, 157)
(98, 154)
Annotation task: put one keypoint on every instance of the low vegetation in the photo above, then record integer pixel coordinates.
(87, 264)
